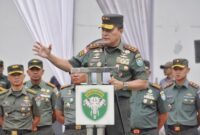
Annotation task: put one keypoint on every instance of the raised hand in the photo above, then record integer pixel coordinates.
(41, 50)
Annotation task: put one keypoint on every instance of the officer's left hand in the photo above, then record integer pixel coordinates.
(118, 85)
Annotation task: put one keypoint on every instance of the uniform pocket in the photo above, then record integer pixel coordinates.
(188, 104)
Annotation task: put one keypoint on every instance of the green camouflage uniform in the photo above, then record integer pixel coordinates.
(45, 99)
(66, 104)
(145, 107)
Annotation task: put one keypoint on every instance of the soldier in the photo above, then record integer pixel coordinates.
(65, 106)
(19, 114)
(109, 51)
(3, 79)
(45, 98)
(167, 70)
(148, 109)
(183, 97)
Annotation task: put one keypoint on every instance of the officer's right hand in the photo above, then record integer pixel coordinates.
(41, 50)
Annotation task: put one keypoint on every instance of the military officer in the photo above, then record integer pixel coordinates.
(46, 96)
(109, 51)
(3, 79)
(65, 106)
(19, 113)
(148, 108)
(183, 97)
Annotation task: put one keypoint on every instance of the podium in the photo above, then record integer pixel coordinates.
(95, 100)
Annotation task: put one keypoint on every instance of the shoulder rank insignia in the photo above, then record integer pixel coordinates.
(2, 90)
(51, 85)
(83, 52)
(131, 48)
(194, 85)
(94, 46)
(32, 91)
(155, 85)
(168, 85)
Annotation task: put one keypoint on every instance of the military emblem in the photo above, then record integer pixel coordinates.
(139, 62)
(94, 103)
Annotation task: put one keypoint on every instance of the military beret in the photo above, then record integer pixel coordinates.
(17, 68)
(35, 63)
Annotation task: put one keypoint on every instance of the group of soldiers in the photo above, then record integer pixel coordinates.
(140, 107)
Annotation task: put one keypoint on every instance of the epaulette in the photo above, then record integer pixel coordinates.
(94, 46)
(2, 90)
(194, 85)
(31, 91)
(155, 85)
(51, 85)
(65, 86)
(130, 48)
(168, 85)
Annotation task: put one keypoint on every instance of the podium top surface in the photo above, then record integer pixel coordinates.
(93, 69)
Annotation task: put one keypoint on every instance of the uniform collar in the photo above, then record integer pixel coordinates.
(185, 85)
(119, 47)
(30, 85)
(22, 91)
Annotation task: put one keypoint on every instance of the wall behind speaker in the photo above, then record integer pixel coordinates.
(197, 50)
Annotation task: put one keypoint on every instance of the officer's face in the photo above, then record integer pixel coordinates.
(78, 78)
(167, 71)
(112, 37)
(35, 73)
(180, 73)
(16, 79)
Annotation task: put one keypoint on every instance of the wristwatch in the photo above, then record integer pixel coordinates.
(125, 85)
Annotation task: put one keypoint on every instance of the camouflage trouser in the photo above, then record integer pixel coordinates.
(192, 131)
(45, 130)
(75, 132)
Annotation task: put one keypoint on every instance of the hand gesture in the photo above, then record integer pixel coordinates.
(41, 50)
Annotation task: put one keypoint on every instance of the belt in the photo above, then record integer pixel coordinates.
(139, 131)
(16, 132)
(179, 128)
(75, 127)
(45, 126)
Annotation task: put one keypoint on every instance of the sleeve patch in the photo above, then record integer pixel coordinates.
(139, 62)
